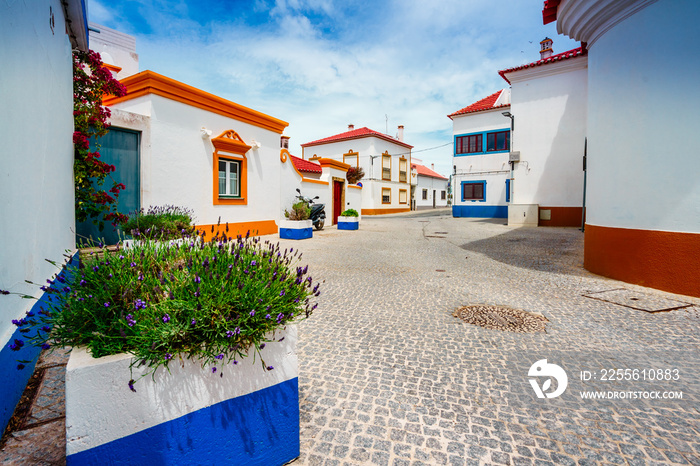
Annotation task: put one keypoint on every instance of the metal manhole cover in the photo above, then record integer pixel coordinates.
(502, 318)
(637, 300)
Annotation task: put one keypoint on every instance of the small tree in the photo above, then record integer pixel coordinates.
(91, 81)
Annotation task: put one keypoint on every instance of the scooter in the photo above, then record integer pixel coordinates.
(318, 211)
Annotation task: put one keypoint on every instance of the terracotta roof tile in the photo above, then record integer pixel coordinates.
(487, 103)
(305, 166)
(425, 171)
(354, 134)
(577, 52)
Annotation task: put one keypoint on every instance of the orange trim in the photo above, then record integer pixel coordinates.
(243, 199)
(260, 227)
(337, 164)
(664, 260)
(230, 141)
(114, 68)
(386, 189)
(354, 186)
(384, 211)
(562, 217)
(311, 180)
(405, 162)
(386, 154)
(148, 82)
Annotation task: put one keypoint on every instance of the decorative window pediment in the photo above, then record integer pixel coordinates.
(230, 141)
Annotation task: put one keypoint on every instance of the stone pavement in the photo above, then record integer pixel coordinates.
(388, 376)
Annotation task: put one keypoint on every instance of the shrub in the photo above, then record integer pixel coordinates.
(159, 222)
(300, 211)
(354, 175)
(215, 301)
(350, 213)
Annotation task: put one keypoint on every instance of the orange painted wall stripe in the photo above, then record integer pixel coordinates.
(384, 211)
(562, 217)
(259, 228)
(663, 260)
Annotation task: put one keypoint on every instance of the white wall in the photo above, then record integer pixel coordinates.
(177, 165)
(36, 175)
(549, 105)
(643, 93)
(431, 184)
(115, 48)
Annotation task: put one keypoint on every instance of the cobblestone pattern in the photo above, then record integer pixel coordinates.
(388, 376)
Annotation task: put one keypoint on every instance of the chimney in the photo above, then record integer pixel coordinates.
(545, 48)
(432, 166)
(351, 127)
(400, 138)
(284, 142)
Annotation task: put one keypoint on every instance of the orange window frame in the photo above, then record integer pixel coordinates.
(405, 196)
(388, 190)
(229, 146)
(403, 174)
(386, 156)
(350, 155)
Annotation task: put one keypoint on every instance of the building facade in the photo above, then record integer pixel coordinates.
(431, 188)
(386, 162)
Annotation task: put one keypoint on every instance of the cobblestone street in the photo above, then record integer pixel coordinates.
(388, 376)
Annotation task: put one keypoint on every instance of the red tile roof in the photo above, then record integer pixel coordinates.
(425, 171)
(487, 103)
(355, 134)
(577, 52)
(549, 11)
(305, 166)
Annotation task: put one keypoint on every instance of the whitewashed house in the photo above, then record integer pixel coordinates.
(548, 108)
(386, 161)
(36, 177)
(481, 177)
(642, 196)
(431, 188)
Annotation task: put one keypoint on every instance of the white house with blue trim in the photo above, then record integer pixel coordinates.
(481, 176)
(36, 129)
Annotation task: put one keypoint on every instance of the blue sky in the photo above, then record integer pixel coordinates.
(323, 64)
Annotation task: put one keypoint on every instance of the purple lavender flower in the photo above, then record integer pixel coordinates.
(229, 333)
(269, 368)
(130, 320)
(267, 316)
(283, 292)
(213, 370)
(262, 345)
(45, 346)
(96, 268)
(193, 322)
(131, 385)
(121, 257)
(141, 277)
(107, 304)
(235, 362)
(20, 366)
(166, 318)
(197, 293)
(83, 283)
(280, 316)
(133, 264)
(45, 328)
(16, 345)
(197, 279)
(253, 263)
(139, 304)
(281, 339)
(168, 356)
(219, 356)
(252, 313)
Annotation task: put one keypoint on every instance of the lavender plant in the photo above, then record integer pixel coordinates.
(216, 301)
(159, 222)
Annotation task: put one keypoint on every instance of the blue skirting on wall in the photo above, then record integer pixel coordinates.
(480, 211)
(296, 233)
(261, 428)
(15, 380)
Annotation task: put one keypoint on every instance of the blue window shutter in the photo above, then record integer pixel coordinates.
(507, 190)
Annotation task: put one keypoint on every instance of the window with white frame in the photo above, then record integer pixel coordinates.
(443, 195)
(229, 178)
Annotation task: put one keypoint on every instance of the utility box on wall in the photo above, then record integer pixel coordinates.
(523, 215)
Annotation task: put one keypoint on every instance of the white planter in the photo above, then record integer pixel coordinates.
(242, 414)
(348, 223)
(296, 229)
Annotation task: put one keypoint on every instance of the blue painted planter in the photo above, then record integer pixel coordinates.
(296, 229)
(242, 414)
(348, 223)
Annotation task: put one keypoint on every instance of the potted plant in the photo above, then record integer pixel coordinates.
(354, 175)
(182, 353)
(297, 224)
(349, 220)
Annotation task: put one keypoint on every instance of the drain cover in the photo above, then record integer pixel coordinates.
(502, 318)
(637, 300)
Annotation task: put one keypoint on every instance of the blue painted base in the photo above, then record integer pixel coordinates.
(348, 225)
(294, 233)
(15, 381)
(480, 211)
(261, 428)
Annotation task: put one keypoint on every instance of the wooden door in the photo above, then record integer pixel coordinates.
(337, 200)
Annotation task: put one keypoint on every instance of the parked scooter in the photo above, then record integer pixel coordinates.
(318, 211)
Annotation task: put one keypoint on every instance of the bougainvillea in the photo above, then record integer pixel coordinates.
(94, 198)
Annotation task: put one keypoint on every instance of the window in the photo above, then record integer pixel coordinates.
(386, 195)
(229, 178)
(473, 190)
(498, 141)
(386, 166)
(443, 195)
(352, 158)
(425, 194)
(469, 144)
(403, 196)
(507, 190)
(403, 170)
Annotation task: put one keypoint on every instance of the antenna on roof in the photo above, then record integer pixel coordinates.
(386, 117)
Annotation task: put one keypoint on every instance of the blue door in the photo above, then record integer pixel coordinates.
(119, 147)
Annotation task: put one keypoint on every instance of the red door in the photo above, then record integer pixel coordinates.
(337, 200)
